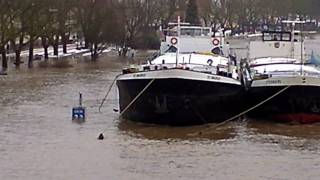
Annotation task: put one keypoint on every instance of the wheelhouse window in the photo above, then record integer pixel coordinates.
(189, 31)
(276, 36)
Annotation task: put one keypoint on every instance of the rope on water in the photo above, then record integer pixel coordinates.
(101, 136)
(245, 112)
(108, 92)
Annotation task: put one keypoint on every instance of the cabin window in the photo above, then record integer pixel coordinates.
(286, 37)
(272, 37)
(276, 36)
(172, 33)
(205, 32)
(197, 32)
(191, 32)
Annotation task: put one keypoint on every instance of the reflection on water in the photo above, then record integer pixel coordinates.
(287, 136)
(38, 139)
(290, 130)
(155, 132)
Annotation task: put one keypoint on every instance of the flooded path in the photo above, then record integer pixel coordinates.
(39, 141)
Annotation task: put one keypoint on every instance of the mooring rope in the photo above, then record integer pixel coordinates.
(101, 136)
(245, 112)
(108, 92)
(137, 97)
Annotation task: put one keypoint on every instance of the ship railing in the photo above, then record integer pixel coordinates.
(221, 70)
(188, 66)
(262, 61)
(285, 74)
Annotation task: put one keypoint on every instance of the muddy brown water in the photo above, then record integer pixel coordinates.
(38, 139)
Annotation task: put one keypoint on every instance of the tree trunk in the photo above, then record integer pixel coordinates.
(30, 62)
(4, 58)
(64, 43)
(56, 46)
(94, 53)
(45, 46)
(124, 51)
(17, 48)
(18, 57)
(46, 54)
(55, 49)
(86, 43)
(214, 29)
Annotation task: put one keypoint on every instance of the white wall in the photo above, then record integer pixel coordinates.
(269, 49)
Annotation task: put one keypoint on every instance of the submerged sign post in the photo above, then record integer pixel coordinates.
(79, 113)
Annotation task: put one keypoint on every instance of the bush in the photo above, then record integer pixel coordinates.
(148, 40)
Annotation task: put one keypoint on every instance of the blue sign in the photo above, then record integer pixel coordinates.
(78, 113)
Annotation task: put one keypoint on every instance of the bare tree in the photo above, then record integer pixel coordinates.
(98, 22)
(7, 16)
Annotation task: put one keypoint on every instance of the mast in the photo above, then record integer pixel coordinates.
(302, 49)
(292, 39)
(178, 43)
(293, 23)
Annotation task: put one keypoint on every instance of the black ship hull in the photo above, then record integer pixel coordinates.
(178, 101)
(299, 104)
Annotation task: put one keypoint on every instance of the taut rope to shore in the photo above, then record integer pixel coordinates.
(108, 92)
(241, 114)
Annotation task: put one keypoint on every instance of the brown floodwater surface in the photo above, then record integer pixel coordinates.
(38, 139)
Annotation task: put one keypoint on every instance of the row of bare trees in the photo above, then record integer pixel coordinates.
(247, 15)
(26, 23)
(23, 22)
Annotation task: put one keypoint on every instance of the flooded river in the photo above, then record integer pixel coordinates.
(38, 139)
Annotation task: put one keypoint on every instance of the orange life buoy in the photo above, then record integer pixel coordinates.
(215, 42)
(174, 41)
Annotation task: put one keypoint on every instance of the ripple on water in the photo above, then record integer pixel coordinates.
(38, 140)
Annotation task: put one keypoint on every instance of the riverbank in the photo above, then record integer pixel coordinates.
(73, 56)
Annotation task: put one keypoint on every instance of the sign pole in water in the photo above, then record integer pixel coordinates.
(79, 113)
(80, 100)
